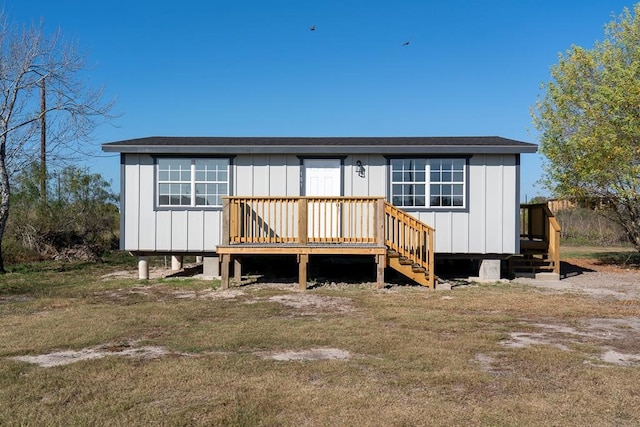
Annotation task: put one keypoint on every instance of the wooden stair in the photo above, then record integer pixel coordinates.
(533, 258)
(408, 268)
(540, 241)
(409, 246)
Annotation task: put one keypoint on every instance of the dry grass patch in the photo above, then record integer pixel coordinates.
(334, 355)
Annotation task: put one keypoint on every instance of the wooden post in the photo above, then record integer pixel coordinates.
(225, 271)
(379, 221)
(237, 270)
(303, 223)
(225, 222)
(303, 259)
(432, 260)
(380, 264)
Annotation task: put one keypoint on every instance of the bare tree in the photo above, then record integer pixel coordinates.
(28, 58)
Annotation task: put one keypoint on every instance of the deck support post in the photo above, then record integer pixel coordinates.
(237, 270)
(303, 260)
(226, 258)
(380, 265)
(143, 268)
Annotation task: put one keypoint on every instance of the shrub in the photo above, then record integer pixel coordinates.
(584, 226)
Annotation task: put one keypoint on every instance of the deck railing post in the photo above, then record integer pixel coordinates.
(303, 224)
(226, 229)
(379, 221)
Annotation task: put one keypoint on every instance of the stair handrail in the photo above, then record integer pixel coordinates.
(409, 237)
(554, 239)
(550, 231)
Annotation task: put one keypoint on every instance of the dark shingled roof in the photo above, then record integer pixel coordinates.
(321, 145)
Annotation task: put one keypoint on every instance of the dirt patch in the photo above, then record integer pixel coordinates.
(612, 356)
(225, 294)
(67, 357)
(617, 338)
(189, 270)
(597, 265)
(154, 273)
(314, 303)
(490, 364)
(311, 354)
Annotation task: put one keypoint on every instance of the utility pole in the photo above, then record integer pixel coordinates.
(43, 143)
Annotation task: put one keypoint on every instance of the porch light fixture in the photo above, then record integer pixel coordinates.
(360, 169)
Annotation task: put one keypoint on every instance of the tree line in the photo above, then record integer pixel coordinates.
(79, 219)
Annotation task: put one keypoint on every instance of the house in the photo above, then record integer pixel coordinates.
(402, 200)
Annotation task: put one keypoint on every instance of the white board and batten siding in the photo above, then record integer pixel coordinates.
(488, 224)
(147, 228)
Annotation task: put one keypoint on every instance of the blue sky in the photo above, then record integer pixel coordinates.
(254, 68)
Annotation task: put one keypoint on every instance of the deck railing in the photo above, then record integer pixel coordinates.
(409, 237)
(298, 222)
(303, 220)
(537, 222)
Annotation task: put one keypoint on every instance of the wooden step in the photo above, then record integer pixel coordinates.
(410, 270)
(532, 269)
(531, 263)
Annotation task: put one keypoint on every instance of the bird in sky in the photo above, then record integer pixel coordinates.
(405, 43)
(313, 28)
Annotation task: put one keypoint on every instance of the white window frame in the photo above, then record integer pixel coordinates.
(449, 179)
(192, 182)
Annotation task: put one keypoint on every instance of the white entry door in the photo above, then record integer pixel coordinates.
(323, 177)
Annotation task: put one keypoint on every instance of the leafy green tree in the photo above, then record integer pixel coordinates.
(589, 122)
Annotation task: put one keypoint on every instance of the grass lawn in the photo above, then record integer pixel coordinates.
(176, 352)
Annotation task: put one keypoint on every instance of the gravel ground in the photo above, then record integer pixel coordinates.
(578, 275)
(594, 279)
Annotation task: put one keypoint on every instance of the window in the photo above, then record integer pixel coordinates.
(429, 183)
(192, 182)
(408, 182)
(447, 182)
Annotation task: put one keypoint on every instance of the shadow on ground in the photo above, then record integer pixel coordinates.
(567, 269)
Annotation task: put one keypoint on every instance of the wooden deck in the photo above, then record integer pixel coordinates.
(305, 226)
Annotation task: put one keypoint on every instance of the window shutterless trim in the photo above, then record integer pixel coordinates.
(192, 182)
(428, 183)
